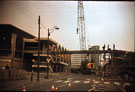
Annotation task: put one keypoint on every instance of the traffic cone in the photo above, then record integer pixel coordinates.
(102, 79)
(53, 87)
(93, 80)
(123, 88)
(69, 84)
(24, 88)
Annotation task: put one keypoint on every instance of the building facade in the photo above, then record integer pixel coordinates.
(58, 63)
(19, 50)
(11, 46)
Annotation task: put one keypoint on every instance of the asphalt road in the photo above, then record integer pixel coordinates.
(74, 82)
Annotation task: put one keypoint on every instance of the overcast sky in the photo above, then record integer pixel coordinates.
(106, 22)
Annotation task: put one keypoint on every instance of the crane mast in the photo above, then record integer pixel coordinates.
(81, 27)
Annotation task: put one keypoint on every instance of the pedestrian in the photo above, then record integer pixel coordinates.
(108, 47)
(92, 60)
(104, 56)
(103, 47)
(7, 67)
(32, 76)
(113, 46)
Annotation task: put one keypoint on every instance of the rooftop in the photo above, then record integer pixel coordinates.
(13, 29)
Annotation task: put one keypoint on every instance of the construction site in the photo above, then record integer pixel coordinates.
(42, 61)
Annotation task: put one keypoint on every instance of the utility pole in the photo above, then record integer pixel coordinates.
(38, 48)
(48, 54)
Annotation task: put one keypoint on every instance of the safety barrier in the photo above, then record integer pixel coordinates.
(12, 74)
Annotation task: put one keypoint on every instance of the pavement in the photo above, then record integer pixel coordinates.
(11, 84)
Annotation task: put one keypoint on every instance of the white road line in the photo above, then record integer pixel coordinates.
(106, 82)
(88, 79)
(76, 81)
(58, 81)
(86, 82)
(91, 89)
(116, 83)
(61, 86)
(69, 78)
(66, 81)
(96, 82)
(127, 83)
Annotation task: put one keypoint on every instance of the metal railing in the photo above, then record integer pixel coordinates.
(8, 52)
(5, 52)
(18, 54)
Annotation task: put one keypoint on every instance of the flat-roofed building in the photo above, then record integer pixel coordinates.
(11, 45)
(58, 63)
(19, 50)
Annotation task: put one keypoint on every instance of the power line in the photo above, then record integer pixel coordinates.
(30, 14)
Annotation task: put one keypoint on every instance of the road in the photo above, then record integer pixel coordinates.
(74, 82)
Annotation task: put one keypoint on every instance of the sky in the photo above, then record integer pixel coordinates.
(106, 22)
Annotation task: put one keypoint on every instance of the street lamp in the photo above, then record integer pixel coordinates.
(38, 49)
(48, 59)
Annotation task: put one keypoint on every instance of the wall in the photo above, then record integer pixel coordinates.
(95, 57)
(12, 74)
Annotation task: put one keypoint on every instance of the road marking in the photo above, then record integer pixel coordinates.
(127, 84)
(116, 83)
(91, 89)
(76, 81)
(61, 86)
(69, 78)
(58, 81)
(86, 82)
(66, 81)
(106, 82)
(96, 82)
(88, 79)
(93, 85)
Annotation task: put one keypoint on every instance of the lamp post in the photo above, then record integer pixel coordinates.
(38, 49)
(48, 59)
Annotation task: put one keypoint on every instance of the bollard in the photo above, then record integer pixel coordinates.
(24, 88)
(32, 76)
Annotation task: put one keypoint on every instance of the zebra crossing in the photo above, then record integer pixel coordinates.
(76, 81)
(87, 81)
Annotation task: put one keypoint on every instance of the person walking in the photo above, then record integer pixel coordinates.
(113, 46)
(103, 47)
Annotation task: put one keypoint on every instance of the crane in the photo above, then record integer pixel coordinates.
(81, 28)
(86, 65)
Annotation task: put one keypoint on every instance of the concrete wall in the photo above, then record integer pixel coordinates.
(12, 74)
(95, 57)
